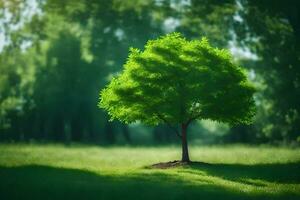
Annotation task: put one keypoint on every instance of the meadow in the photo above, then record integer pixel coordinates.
(56, 171)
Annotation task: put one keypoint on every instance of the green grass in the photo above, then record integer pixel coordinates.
(90, 172)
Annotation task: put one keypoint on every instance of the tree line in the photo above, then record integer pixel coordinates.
(58, 55)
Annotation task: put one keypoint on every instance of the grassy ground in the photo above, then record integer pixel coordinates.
(90, 172)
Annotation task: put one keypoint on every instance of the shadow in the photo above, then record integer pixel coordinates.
(277, 173)
(42, 182)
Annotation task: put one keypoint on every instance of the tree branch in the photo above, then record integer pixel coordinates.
(192, 119)
(169, 125)
(163, 119)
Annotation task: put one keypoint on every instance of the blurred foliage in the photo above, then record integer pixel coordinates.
(271, 29)
(56, 56)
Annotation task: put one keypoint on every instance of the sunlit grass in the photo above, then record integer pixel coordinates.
(231, 172)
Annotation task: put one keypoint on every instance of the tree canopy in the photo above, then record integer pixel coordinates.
(176, 81)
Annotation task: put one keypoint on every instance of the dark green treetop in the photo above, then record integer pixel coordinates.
(176, 81)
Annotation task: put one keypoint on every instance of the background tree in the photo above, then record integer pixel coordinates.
(271, 29)
(175, 81)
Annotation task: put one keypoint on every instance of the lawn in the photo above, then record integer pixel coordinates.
(92, 172)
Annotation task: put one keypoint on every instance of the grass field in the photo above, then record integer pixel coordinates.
(91, 172)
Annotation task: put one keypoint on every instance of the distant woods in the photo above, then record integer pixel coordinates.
(59, 54)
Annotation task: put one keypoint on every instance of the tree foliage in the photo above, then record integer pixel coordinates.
(271, 29)
(177, 81)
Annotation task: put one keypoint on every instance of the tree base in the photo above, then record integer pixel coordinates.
(176, 163)
(171, 164)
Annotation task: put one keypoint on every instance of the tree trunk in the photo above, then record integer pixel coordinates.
(185, 150)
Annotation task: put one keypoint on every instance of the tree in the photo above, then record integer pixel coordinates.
(176, 81)
(273, 34)
(70, 47)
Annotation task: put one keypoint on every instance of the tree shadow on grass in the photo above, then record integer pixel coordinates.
(278, 173)
(43, 182)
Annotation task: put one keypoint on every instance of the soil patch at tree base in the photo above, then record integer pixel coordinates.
(175, 163)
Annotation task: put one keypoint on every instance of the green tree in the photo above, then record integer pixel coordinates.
(176, 81)
(273, 34)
